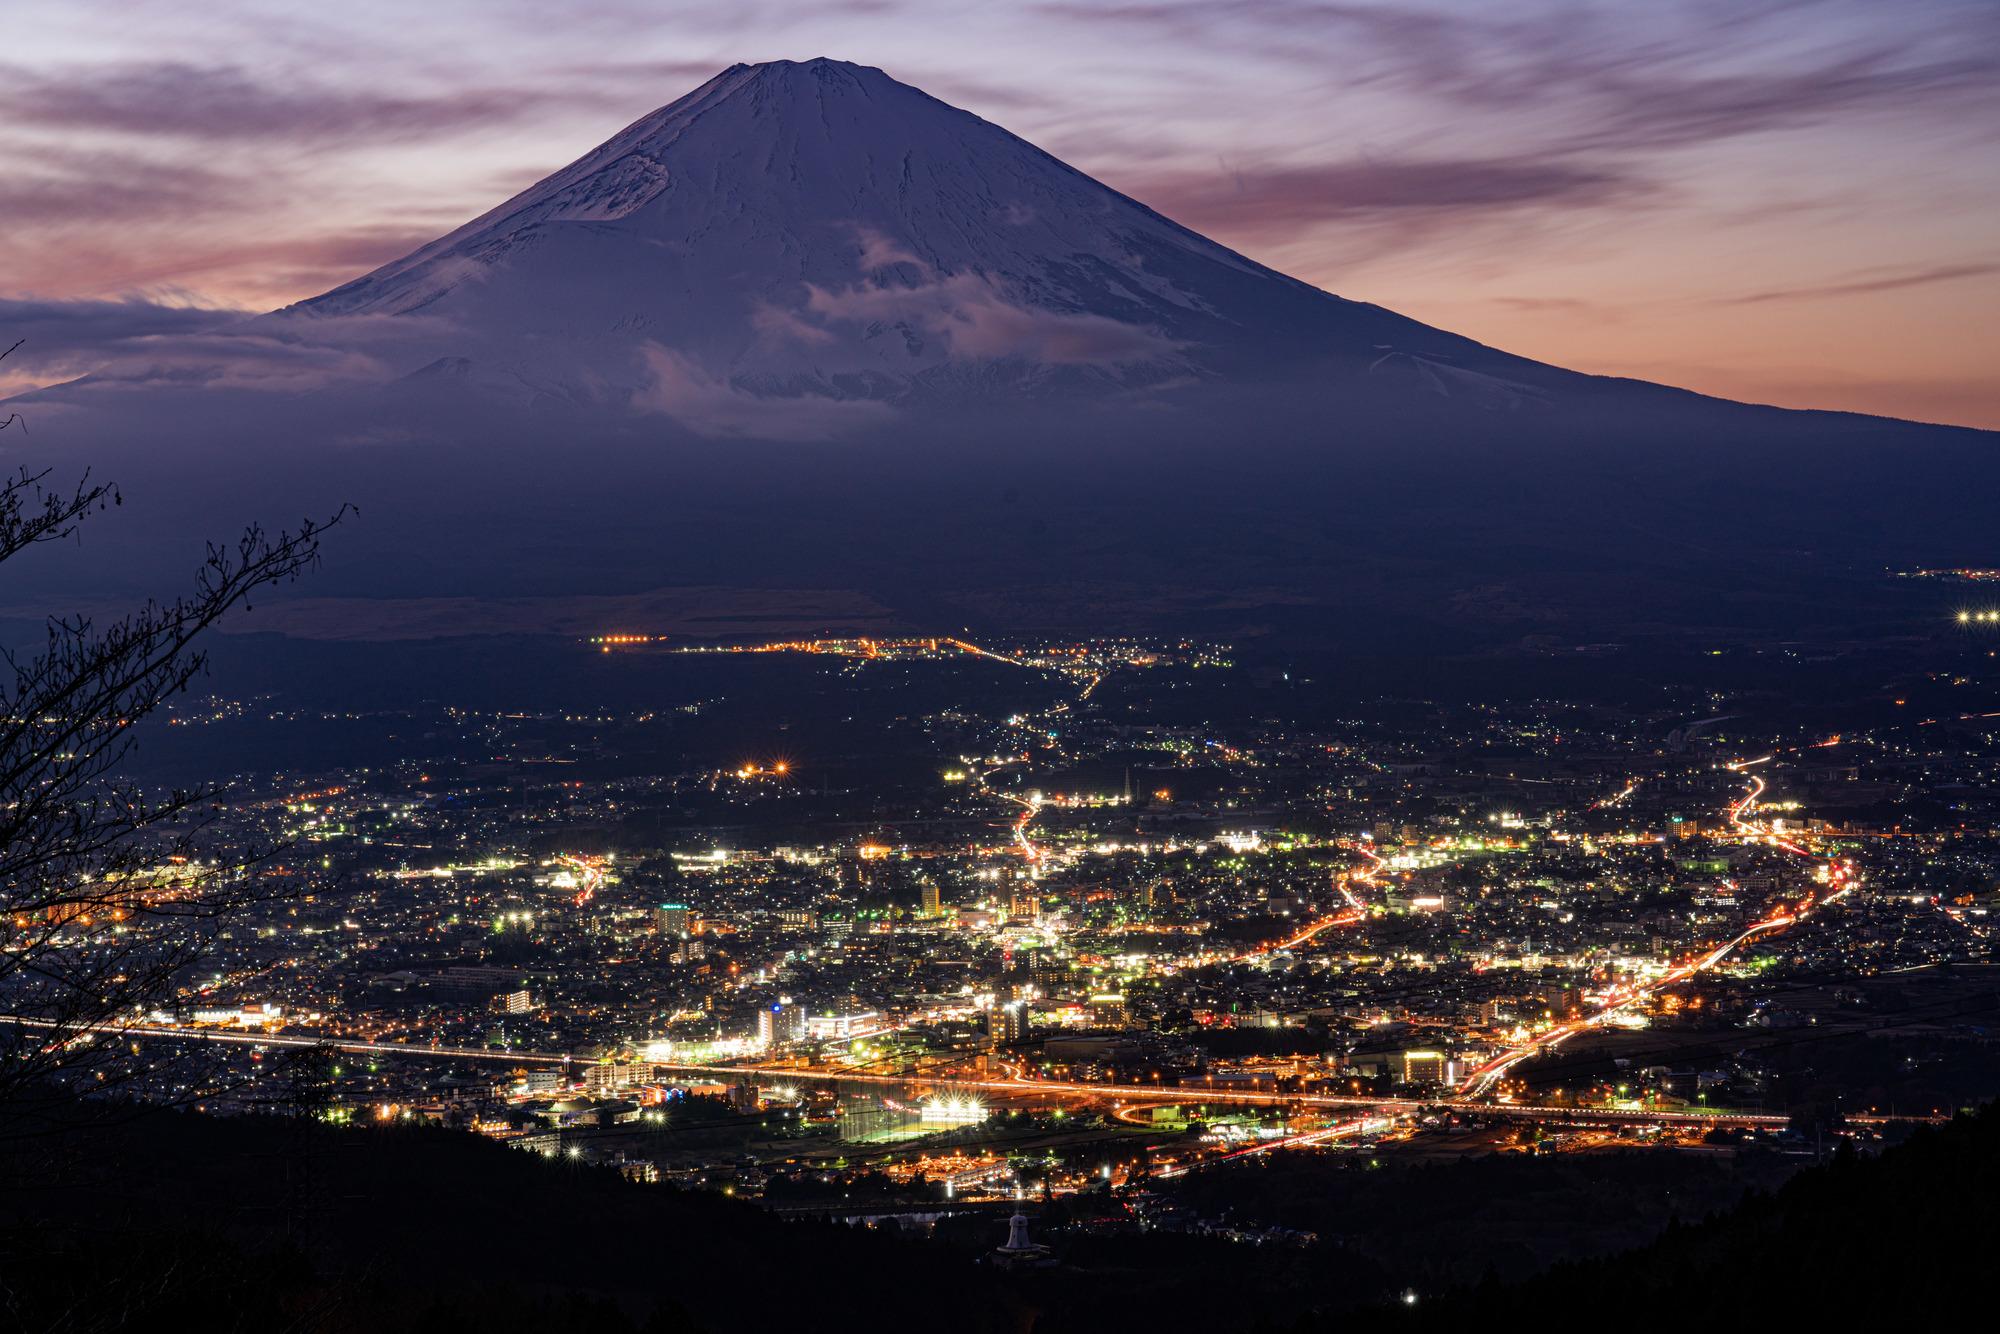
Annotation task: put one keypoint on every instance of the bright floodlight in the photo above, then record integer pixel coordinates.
(956, 1109)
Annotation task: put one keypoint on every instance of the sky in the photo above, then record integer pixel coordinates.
(1786, 201)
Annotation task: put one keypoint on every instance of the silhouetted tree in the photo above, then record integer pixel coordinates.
(104, 899)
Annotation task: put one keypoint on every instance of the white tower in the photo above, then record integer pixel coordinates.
(1020, 1252)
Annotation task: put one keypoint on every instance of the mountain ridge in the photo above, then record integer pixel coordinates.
(1049, 408)
(818, 229)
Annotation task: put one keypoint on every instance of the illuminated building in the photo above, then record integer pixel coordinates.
(1008, 1023)
(838, 1027)
(671, 919)
(1421, 1067)
(1431, 1067)
(1109, 1011)
(780, 1023)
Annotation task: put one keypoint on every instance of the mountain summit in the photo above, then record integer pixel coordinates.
(800, 235)
(1055, 408)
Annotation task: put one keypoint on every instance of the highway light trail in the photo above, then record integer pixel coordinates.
(589, 876)
(1021, 823)
(968, 647)
(1015, 1087)
(1354, 912)
(1325, 1134)
(1481, 1081)
(1617, 798)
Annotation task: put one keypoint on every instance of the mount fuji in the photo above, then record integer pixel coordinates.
(809, 328)
(801, 248)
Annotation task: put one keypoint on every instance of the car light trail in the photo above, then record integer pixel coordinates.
(1186, 1093)
(1340, 1130)
(1481, 1081)
(589, 876)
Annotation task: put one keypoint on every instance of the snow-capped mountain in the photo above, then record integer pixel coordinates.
(1053, 407)
(814, 239)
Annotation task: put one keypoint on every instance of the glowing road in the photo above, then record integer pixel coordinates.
(1029, 806)
(1325, 1134)
(589, 876)
(1196, 1094)
(1481, 1081)
(1353, 911)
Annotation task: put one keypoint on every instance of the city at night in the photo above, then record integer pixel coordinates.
(1043, 668)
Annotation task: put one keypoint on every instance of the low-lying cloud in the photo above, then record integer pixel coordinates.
(969, 313)
(710, 405)
(977, 322)
(133, 342)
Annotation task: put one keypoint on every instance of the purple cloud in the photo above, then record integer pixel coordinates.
(224, 102)
(60, 340)
(47, 187)
(1603, 79)
(1266, 202)
(710, 405)
(1861, 286)
(70, 328)
(133, 342)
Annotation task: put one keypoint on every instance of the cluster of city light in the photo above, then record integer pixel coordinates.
(1988, 617)
(697, 1052)
(778, 769)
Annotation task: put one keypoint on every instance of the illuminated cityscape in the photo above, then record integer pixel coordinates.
(1151, 667)
(965, 924)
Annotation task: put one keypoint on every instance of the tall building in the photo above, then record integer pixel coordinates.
(1052, 977)
(933, 900)
(671, 919)
(780, 1023)
(1008, 1022)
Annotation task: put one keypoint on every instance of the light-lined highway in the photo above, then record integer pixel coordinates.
(1204, 1094)
(1482, 1081)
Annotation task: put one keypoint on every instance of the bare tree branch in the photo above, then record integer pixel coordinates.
(13, 417)
(107, 898)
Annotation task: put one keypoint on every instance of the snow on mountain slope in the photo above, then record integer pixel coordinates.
(794, 247)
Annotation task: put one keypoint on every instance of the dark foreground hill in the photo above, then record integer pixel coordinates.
(1854, 1244)
(190, 1222)
(182, 1222)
